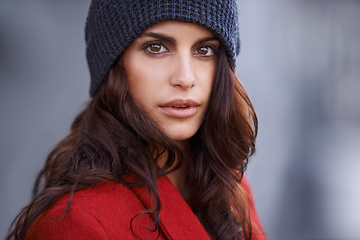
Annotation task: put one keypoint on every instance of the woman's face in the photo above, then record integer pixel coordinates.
(170, 70)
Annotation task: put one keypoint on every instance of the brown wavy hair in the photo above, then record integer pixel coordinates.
(113, 138)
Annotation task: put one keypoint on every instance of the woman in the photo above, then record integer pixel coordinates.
(161, 149)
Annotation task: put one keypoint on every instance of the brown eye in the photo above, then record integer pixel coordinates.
(204, 51)
(155, 48)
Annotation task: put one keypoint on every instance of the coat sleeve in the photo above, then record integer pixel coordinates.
(76, 224)
(258, 232)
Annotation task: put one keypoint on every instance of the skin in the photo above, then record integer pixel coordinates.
(170, 70)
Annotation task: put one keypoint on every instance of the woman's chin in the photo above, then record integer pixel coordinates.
(181, 136)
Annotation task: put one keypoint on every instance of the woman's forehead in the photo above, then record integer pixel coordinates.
(175, 26)
(173, 31)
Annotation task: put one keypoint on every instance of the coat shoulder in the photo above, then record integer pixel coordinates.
(99, 212)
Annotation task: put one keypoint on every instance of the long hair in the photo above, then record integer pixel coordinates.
(113, 137)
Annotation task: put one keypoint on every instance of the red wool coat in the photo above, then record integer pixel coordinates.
(105, 212)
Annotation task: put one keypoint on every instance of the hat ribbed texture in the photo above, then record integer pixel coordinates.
(113, 24)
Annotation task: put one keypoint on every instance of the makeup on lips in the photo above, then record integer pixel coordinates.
(180, 108)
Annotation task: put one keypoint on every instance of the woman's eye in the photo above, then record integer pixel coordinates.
(156, 48)
(204, 51)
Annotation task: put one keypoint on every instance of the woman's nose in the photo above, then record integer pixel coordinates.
(183, 74)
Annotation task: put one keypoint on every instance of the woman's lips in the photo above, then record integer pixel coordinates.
(180, 108)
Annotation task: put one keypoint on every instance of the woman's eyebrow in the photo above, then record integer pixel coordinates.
(158, 36)
(207, 40)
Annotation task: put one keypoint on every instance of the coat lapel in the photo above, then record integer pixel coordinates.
(177, 220)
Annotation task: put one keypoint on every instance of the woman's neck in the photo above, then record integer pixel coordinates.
(177, 177)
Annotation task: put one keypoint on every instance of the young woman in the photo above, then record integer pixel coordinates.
(161, 149)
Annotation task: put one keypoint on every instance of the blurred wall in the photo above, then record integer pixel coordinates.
(299, 63)
(44, 83)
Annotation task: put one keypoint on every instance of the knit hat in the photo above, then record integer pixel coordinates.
(113, 24)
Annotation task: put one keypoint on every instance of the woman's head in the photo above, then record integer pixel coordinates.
(172, 83)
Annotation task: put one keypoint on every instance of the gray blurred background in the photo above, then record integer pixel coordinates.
(300, 63)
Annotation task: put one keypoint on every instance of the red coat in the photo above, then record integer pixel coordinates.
(105, 212)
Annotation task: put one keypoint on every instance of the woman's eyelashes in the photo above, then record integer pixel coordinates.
(154, 48)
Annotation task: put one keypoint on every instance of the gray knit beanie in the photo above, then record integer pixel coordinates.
(113, 24)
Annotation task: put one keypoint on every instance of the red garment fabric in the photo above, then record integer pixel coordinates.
(105, 212)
